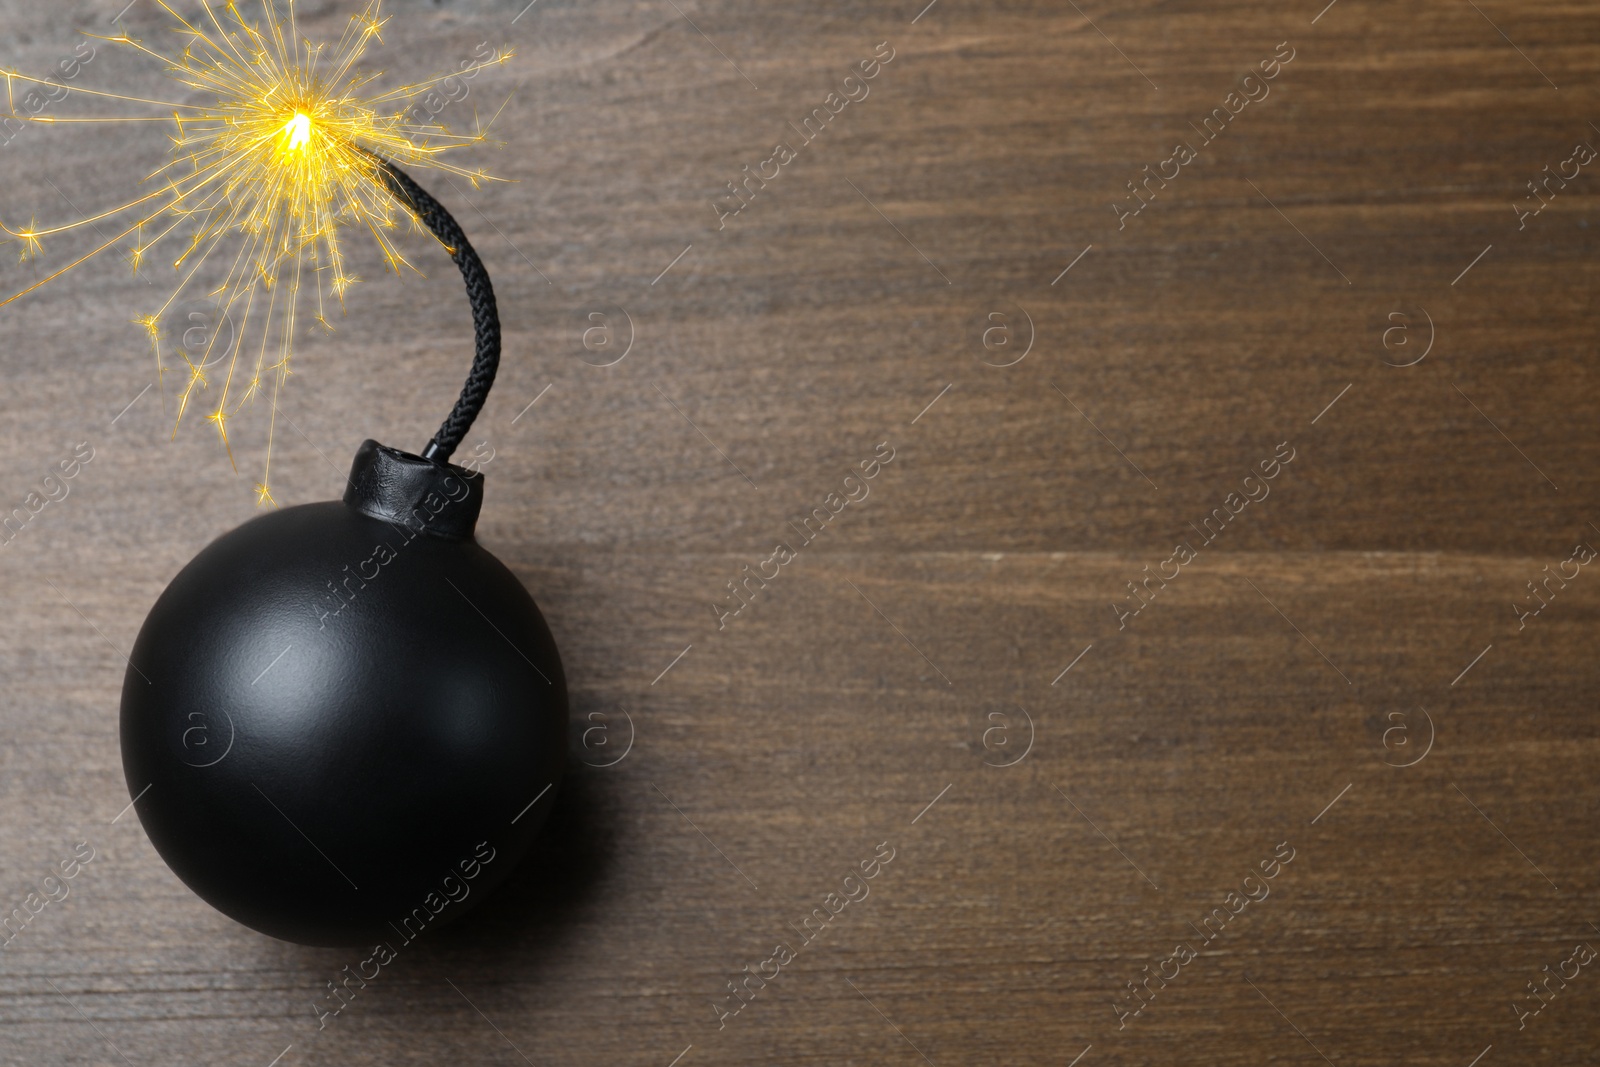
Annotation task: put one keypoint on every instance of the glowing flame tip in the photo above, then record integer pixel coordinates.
(297, 131)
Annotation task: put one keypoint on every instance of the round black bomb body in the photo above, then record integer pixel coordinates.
(332, 704)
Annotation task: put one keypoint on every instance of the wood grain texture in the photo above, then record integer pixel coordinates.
(1255, 700)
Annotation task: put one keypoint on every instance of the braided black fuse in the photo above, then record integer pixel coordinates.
(480, 293)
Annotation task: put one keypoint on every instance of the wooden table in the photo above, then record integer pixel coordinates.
(1337, 281)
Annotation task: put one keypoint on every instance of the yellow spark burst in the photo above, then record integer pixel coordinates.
(281, 155)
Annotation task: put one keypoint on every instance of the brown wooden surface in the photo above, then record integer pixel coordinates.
(1251, 694)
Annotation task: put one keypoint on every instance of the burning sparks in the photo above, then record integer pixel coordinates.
(280, 158)
(298, 131)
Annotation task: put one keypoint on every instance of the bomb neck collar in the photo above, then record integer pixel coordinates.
(439, 499)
